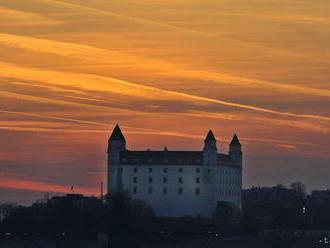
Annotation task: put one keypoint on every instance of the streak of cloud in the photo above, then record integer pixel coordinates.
(11, 17)
(13, 183)
(124, 88)
(86, 52)
(179, 28)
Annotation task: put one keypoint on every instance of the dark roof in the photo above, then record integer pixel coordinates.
(169, 158)
(225, 160)
(210, 136)
(162, 157)
(235, 141)
(117, 134)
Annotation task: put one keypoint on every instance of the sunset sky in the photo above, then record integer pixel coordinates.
(167, 71)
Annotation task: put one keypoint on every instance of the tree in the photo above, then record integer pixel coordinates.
(140, 208)
(299, 188)
(227, 213)
(280, 186)
(6, 209)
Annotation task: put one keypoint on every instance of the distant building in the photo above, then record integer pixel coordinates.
(320, 196)
(77, 200)
(177, 183)
(268, 194)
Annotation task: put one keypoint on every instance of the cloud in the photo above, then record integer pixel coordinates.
(193, 32)
(54, 118)
(298, 18)
(286, 146)
(13, 183)
(90, 82)
(85, 52)
(11, 17)
(98, 127)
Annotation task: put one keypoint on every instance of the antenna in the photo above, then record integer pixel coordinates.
(101, 191)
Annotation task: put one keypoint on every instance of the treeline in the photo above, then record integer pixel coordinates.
(127, 222)
(133, 222)
(286, 208)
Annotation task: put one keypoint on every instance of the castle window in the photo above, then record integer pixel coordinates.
(180, 179)
(150, 170)
(164, 179)
(197, 180)
(197, 170)
(150, 190)
(197, 191)
(180, 170)
(135, 170)
(135, 180)
(180, 191)
(165, 170)
(150, 179)
(134, 191)
(164, 191)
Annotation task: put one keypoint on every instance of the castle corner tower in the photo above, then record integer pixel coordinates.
(235, 151)
(210, 149)
(116, 144)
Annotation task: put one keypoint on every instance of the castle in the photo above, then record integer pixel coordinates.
(177, 183)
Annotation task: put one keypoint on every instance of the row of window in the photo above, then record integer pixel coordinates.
(150, 180)
(165, 160)
(165, 191)
(230, 193)
(228, 180)
(231, 172)
(135, 170)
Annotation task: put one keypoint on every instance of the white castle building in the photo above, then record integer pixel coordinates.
(177, 183)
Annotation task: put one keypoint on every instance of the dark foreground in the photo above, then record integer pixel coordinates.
(117, 221)
(269, 239)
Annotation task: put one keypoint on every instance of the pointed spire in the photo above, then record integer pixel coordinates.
(235, 141)
(117, 134)
(210, 136)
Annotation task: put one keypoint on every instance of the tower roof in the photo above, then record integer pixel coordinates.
(210, 136)
(117, 134)
(235, 141)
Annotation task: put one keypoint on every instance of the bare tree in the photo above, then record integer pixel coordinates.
(299, 188)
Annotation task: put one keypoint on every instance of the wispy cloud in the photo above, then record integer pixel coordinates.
(86, 53)
(115, 86)
(13, 183)
(11, 17)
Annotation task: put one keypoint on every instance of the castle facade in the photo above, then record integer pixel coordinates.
(177, 183)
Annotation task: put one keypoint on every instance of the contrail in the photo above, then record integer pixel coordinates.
(53, 117)
(92, 82)
(178, 28)
(90, 53)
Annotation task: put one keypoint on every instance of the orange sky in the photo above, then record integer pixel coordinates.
(167, 71)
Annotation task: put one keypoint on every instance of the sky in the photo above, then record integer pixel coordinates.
(167, 71)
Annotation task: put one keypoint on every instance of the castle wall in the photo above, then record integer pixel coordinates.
(178, 191)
